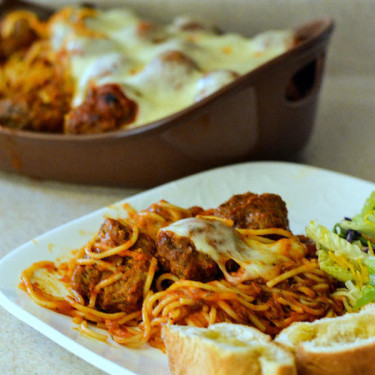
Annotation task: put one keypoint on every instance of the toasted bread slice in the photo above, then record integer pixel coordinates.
(342, 345)
(224, 349)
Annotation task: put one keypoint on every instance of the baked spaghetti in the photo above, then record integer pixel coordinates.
(85, 71)
(235, 263)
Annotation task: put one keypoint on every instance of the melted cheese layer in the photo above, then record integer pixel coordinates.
(222, 243)
(119, 47)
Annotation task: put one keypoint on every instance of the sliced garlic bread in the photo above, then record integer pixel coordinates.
(224, 349)
(342, 345)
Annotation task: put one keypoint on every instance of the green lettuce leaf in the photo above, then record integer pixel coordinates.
(332, 268)
(328, 241)
(364, 222)
(368, 296)
(345, 261)
(369, 261)
(351, 258)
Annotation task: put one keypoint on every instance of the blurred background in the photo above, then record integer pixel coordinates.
(344, 126)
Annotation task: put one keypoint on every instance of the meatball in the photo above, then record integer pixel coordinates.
(37, 97)
(14, 114)
(178, 255)
(125, 294)
(105, 108)
(112, 233)
(29, 111)
(21, 37)
(254, 211)
(167, 72)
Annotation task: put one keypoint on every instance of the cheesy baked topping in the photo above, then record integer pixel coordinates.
(160, 69)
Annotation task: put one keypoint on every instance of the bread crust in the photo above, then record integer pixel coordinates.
(346, 357)
(190, 355)
(359, 360)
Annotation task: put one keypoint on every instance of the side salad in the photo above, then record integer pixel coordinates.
(347, 253)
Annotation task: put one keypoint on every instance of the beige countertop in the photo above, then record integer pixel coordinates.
(343, 140)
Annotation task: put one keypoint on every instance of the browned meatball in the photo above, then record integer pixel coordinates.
(21, 37)
(178, 255)
(37, 98)
(29, 112)
(14, 114)
(113, 233)
(171, 70)
(254, 211)
(126, 294)
(84, 280)
(105, 108)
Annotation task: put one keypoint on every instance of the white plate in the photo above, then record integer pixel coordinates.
(310, 193)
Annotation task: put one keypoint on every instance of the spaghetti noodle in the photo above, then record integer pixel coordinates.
(300, 291)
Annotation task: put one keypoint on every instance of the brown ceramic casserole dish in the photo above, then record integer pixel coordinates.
(267, 113)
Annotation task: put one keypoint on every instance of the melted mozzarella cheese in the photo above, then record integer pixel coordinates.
(213, 81)
(117, 50)
(222, 243)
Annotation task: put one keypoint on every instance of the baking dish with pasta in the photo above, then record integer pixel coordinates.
(168, 109)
